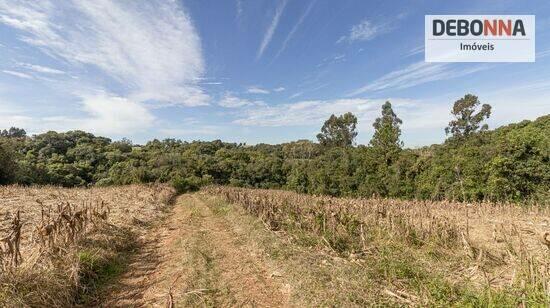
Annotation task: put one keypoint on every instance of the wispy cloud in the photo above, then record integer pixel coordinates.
(312, 111)
(311, 89)
(415, 51)
(231, 101)
(296, 27)
(239, 9)
(505, 104)
(366, 30)
(279, 89)
(418, 116)
(150, 47)
(257, 90)
(531, 87)
(332, 60)
(11, 115)
(195, 130)
(41, 69)
(14, 120)
(542, 54)
(416, 74)
(17, 74)
(272, 27)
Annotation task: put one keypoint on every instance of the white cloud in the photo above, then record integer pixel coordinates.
(417, 50)
(13, 120)
(231, 101)
(416, 74)
(271, 29)
(202, 130)
(113, 115)
(17, 74)
(295, 28)
(41, 69)
(10, 115)
(505, 108)
(542, 54)
(257, 90)
(364, 31)
(314, 111)
(239, 9)
(279, 89)
(150, 47)
(423, 115)
(104, 114)
(332, 60)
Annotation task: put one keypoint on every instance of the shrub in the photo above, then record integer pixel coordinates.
(188, 184)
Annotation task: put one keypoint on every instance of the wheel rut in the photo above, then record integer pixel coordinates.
(194, 257)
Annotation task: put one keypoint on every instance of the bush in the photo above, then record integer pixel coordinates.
(105, 182)
(188, 184)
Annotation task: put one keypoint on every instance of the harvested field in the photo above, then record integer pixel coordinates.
(500, 248)
(223, 246)
(57, 242)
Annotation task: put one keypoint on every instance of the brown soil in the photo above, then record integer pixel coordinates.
(195, 257)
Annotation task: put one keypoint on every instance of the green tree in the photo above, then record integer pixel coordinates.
(386, 140)
(386, 147)
(8, 165)
(338, 131)
(300, 149)
(13, 132)
(467, 121)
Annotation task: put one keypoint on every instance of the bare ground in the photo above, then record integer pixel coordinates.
(195, 256)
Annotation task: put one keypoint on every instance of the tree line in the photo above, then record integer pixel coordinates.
(510, 163)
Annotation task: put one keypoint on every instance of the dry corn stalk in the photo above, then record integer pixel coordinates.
(504, 237)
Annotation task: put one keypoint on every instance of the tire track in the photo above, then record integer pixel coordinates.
(195, 258)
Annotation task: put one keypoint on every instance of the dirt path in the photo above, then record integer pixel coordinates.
(194, 257)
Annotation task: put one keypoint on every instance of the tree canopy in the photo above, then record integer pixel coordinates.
(386, 134)
(467, 121)
(510, 163)
(13, 132)
(338, 131)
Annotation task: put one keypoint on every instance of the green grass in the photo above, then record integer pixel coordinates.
(100, 270)
(102, 259)
(97, 271)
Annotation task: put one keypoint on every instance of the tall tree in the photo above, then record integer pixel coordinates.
(338, 131)
(13, 132)
(385, 140)
(467, 121)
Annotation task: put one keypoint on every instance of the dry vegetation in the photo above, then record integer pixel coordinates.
(57, 243)
(236, 246)
(426, 253)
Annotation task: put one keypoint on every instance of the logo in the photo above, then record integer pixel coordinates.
(480, 38)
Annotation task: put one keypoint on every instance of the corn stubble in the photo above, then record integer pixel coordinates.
(490, 249)
(53, 239)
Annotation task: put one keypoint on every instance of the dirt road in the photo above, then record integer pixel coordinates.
(196, 256)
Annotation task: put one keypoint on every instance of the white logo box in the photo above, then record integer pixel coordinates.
(501, 44)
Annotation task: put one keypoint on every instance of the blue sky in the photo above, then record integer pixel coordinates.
(249, 70)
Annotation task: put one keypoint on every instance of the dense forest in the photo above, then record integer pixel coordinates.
(511, 163)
